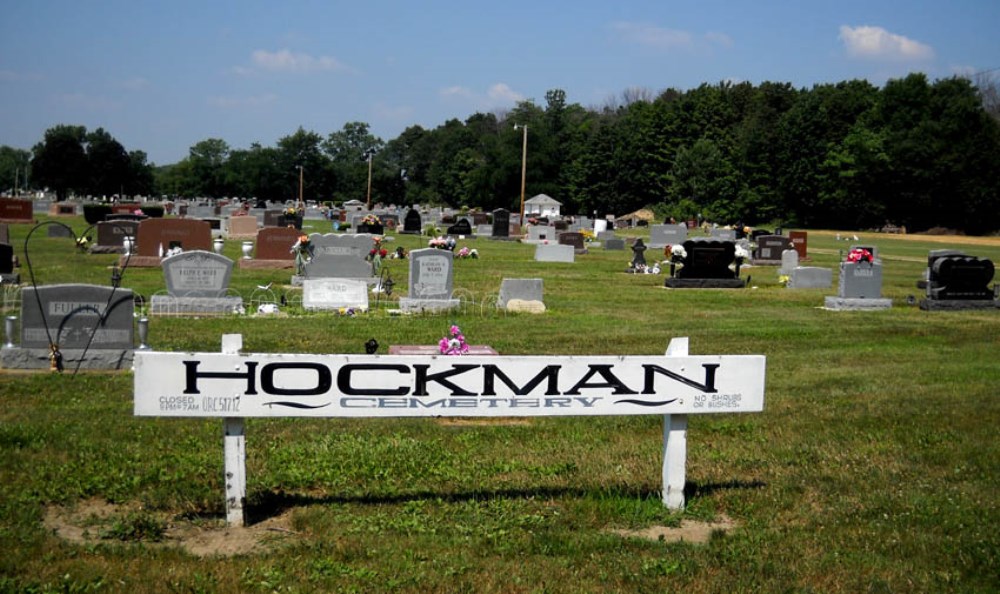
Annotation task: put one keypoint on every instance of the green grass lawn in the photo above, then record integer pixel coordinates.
(874, 467)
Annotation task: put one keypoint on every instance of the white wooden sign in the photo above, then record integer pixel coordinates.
(287, 385)
(233, 386)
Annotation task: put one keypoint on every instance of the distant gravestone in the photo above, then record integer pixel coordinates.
(275, 243)
(59, 231)
(334, 293)
(485, 230)
(606, 235)
(339, 256)
(242, 227)
(575, 239)
(661, 236)
(800, 241)
(111, 235)
(553, 252)
(958, 281)
(156, 236)
(770, 248)
(722, 234)
(538, 233)
(431, 281)
(461, 227)
(412, 223)
(501, 223)
(810, 277)
(4, 233)
(706, 264)
(7, 274)
(789, 261)
(197, 284)
(524, 289)
(14, 210)
(614, 243)
(273, 218)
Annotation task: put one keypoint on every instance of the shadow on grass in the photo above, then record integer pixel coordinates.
(263, 506)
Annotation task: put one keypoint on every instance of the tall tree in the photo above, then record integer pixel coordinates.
(14, 172)
(108, 167)
(207, 160)
(59, 162)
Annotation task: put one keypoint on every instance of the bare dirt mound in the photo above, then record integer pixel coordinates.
(692, 531)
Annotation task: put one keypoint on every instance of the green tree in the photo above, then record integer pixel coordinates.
(108, 166)
(14, 172)
(207, 167)
(59, 162)
(304, 149)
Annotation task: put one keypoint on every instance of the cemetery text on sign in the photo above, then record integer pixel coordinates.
(300, 385)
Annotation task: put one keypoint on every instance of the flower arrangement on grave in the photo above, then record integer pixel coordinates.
(677, 253)
(291, 211)
(741, 253)
(81, 242)
(370, 219)
(466, 253)
(783, 279)
(303, 250)
(376, 254)
(399, 254)
(859, 255)
(346, 311)
(442, 243)
(454, 343)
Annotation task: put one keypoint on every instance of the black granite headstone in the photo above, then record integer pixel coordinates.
(501, 223)
(412, 223)
(462, 227)
(6, 258)
(960, 277)
(708, 259)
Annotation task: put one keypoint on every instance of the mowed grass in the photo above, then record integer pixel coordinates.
(874, 467)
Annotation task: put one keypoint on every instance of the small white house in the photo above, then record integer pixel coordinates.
(542, 206)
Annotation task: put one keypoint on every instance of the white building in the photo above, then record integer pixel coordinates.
(542, 206)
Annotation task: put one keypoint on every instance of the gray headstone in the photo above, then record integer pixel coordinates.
(605, 235)
(4, 233)
(334, 293)
(722, 234)
(113, 233)
(810, 277)
(860, 280)
(572, 238)
(770, 247)
(197, 274)
(484, 229)
(432, 274)
(663, 235)
(71, 312)
(541, 233)
(339, 256)
(527, 289)
(614, 244)
(789, 261)
(553, 252)
(59, 231)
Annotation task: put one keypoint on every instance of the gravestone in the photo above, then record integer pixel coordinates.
(706, 266)
(638, 256)
(958, 281)
(242, 227)
(800, 241)
(539, 233)
(431, 281)
(553, 252)
(770, 248)
(7, 274)
(661, 236)
(412, 223)
(521, 289)
(14, 210)
(575, 239)
(480, 218)
(273, 218)
(606, 235)
(789, 261)
(339, 256)
(461, 227)
(91, 324)
(59, 231)
(156, 236)
(62, 209)
(273, 249)
(111, 236)
(722, 234)
(484, 230)
(615, 243)
(4, 233)
(810, 277)
(197, 284)
(860, 288)
(334, 294)
(501, 223)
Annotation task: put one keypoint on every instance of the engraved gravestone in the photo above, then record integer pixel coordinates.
(770, 248)
(521, 289)
(339, 256)
(275, 243)
(661, 236)
(461, 227)
(553, 252)
(800, 241)
(574, 239)
(412, 223)
(810, 277)
(197, 284)
(334, 293)
(77, 315)
(431, 281)
(860, 287)
(789, 260)
(111, 235)
(16, 210)
(706, 264)
(501, 223)
(156, 236)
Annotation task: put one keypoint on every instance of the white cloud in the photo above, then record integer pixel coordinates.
(662, 38)
(497, 95)
(456, 91)
(287, 61)
(503, 93)
(878, 44)
(242, 102)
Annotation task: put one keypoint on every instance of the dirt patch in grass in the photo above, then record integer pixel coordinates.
(94, 521)
(487, 422)
(692, 531)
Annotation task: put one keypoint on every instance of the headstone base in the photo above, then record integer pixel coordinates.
(856, 303)
(958, 304)
(525, 306)
(432, 349)
(411, 305)
(140, 261)
(165, 305)
(704, 283)
(759, 262)
(265, 264)
(298, 279)
(10, 278)
(21, 358)
(106, 249)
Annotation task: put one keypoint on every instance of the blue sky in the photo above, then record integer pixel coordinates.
(161, 76)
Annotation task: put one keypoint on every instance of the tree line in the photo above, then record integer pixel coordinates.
(848, 155)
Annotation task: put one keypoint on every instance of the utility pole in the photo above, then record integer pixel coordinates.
(368, 203)
(301, 203)
(524, 166)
